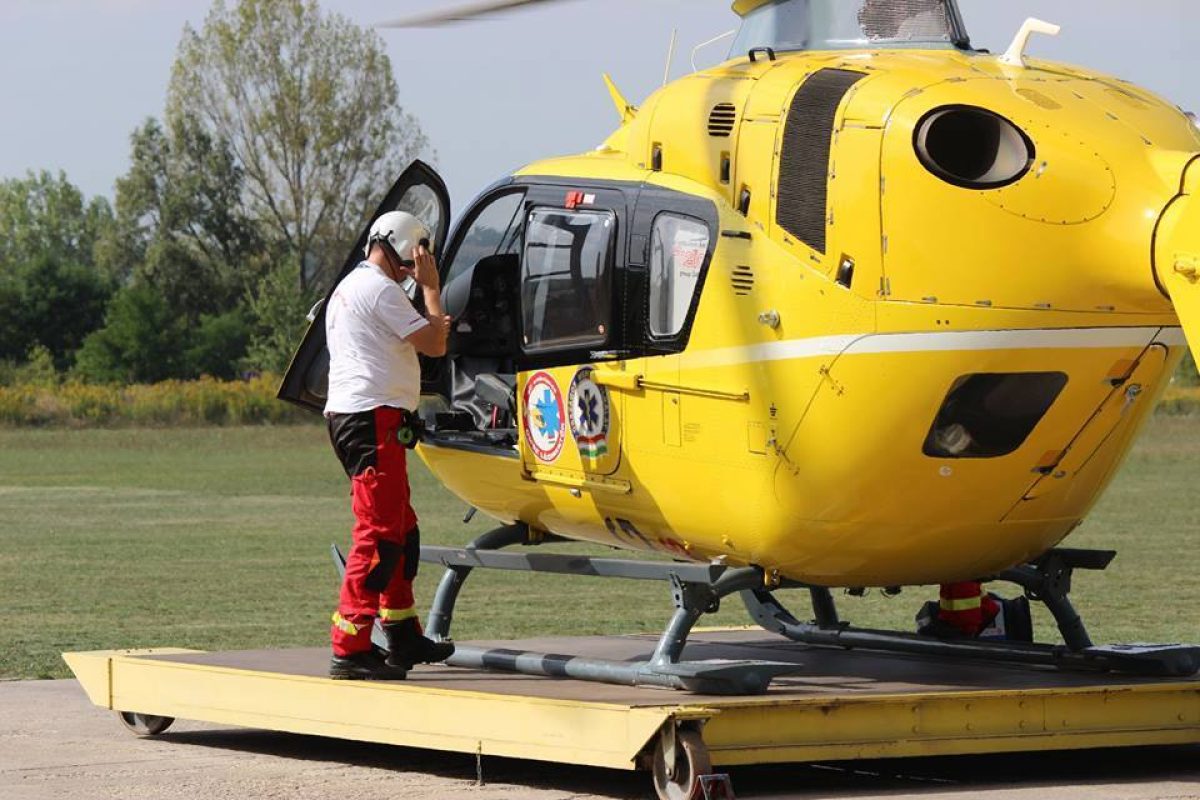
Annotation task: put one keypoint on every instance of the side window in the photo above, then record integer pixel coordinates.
(565, 278)
(495, 230)
(678, 247)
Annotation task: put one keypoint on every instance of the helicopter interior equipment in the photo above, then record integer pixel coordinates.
(862, 306)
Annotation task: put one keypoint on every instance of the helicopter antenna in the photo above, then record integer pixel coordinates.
(670, 56)
(1015, 55)
(703, 45)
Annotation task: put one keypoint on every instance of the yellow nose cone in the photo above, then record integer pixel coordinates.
(1177, 254)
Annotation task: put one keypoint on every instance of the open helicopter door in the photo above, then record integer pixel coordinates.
(421, 192)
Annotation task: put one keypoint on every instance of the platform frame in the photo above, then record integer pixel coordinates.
(736, 730)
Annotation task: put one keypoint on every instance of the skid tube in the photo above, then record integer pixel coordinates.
(696, 589)
(1048, 580)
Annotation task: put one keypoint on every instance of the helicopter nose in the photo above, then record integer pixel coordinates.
(1177, 254)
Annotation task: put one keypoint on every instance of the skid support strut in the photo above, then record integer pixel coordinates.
(441, 613)
(1047, 579)
(696, 589)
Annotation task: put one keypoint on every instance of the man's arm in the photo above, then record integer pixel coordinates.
(431, 339)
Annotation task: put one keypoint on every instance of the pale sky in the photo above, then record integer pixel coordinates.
(80, 75)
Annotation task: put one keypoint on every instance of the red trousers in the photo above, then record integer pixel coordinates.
(965, 606)
(386, 547)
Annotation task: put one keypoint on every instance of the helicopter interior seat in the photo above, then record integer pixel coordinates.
(483, 346)
(500, 391)
(479, 402)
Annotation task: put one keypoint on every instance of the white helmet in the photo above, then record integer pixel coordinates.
(399, 229)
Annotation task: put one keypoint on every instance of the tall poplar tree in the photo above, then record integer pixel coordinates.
(309, 107)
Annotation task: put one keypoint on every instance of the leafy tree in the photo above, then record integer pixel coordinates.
(279, 308)
(46, 214)
(181, 212)
(309, 107)
(52, 303)
(53, 282)
(142, 341)
(218, 345)
(38, 369)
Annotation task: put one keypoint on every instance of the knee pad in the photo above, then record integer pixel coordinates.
(412, 553)
(380, 575)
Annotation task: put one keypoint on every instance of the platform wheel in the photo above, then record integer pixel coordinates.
(145, 724)
(691, 761)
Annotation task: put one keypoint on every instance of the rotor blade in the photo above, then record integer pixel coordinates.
(458, 14)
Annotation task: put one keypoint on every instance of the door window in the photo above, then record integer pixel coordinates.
(678, 248)
(423, 203)
(565, 279)
(495, 230)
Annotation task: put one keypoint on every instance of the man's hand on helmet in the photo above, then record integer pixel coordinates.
(424, 270)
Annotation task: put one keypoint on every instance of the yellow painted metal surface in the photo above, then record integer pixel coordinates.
(797, 446)
(94, 671)
(1177, 252)
(755, 730)
(409, 715)
(954, 723)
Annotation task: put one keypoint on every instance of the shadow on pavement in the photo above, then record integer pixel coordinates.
(916, 776)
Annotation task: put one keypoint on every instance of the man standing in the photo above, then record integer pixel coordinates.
(374, 334)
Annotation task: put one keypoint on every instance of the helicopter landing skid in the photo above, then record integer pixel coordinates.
(1048, 580)
(696, 589)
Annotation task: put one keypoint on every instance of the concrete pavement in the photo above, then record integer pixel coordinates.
(55, 744)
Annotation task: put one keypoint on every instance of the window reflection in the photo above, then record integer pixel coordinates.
(565, 294)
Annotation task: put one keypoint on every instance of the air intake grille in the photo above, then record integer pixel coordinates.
(804, 160)
(888, 20)
(721, 120)
(743, 281)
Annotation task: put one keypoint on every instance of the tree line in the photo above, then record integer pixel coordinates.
(282, 128)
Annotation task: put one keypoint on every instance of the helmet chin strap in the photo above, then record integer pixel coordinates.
(392, 260)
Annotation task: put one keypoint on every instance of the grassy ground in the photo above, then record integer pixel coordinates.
(218, 538)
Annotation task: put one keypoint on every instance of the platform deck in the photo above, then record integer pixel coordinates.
(838, 705)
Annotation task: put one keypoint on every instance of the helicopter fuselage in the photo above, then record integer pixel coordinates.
(869, 318)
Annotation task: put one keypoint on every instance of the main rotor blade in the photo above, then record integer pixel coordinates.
(458, 14)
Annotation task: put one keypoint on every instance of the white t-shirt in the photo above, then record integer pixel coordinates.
(370, 363)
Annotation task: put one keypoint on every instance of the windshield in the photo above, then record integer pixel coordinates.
(850, 24)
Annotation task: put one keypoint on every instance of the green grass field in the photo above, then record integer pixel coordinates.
(218, 538)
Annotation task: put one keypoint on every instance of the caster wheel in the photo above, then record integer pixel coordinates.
(691, 761)
(144, 724)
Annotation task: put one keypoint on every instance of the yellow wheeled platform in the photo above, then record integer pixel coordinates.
(839, 705)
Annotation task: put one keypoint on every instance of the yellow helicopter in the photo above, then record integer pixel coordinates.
(862, 306)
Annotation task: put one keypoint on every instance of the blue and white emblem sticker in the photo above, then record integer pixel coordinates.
(545, 426)
(587, 405)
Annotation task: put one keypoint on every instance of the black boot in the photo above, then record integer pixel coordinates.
(368, 666)
(929, 623)
(408, 646)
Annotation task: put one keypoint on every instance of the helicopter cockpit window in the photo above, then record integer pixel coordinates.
(495, 230)
(678, 248)
(565, 294)
(841, 24)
